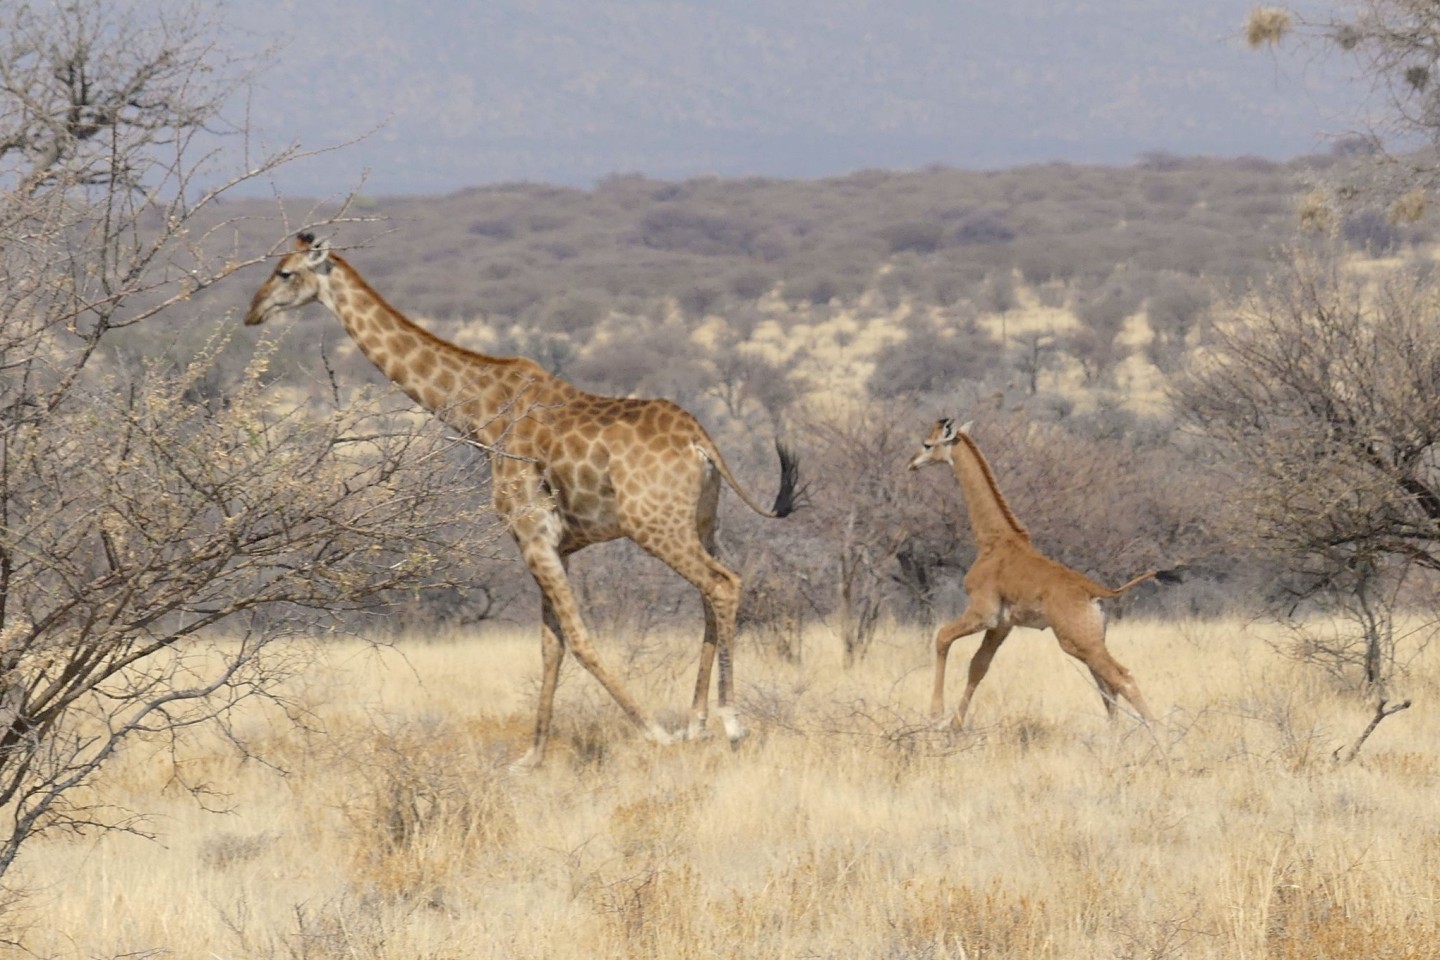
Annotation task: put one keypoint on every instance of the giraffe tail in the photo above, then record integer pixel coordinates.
(791, 493)
(1161, 576)
(788, 499)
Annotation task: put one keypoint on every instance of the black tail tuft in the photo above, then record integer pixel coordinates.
(792, 495)
(1173, 575)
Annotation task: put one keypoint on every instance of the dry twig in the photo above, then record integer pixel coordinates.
(1381, 712)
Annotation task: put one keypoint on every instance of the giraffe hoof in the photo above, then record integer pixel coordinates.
(696, 731)
(657, 735)
(734, 729)
(528, 763)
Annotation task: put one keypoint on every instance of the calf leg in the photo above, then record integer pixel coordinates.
(1089, 648)
(979, 665)
(971, 621)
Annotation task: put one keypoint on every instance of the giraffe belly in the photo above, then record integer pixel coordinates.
(591, 519)
(1024, 615)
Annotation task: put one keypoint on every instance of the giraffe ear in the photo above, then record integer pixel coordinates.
(317, 255)
(950, 434)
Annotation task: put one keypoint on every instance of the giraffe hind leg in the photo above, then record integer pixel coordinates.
(1089, 648)
(719, 587)
(1107, 692)
(705, 530)
(720, 593)
(700, 704)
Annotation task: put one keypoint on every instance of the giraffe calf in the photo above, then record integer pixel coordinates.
(1011, 584)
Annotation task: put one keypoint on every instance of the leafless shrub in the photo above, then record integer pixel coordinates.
(917, 236)
(1409, 207)
(646, 359)
(867, 513)
(228, 849)
(1325, 396)
(933, 358)
(160, 528)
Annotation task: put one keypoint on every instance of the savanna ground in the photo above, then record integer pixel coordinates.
(389, 827)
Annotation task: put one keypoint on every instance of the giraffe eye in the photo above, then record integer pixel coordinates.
(284, 274)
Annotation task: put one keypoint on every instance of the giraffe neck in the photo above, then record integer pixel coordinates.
(991, 518)
(470, 391)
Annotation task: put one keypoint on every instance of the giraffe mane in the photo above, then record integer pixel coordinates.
(989, 476)
(430, 339)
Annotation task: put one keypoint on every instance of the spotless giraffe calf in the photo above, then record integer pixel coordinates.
(1011, 584)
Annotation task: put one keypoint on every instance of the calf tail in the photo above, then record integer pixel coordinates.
(1163, 576)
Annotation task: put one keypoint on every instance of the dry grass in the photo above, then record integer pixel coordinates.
(841, 828)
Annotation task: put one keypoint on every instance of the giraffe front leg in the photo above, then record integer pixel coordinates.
(548, 569)
(552, 652)
(971, 621)
(979, 666)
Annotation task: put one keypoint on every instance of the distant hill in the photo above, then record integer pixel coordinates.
(926, 277)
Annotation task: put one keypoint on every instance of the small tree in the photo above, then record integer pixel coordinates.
(157, 539)
(746, 379)
(933, 357)
(873, 531)
(1324, 395)
(1034, 353)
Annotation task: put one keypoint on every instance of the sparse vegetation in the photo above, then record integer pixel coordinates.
(177, 504)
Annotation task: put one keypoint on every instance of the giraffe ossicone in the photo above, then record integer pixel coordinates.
(569, 469)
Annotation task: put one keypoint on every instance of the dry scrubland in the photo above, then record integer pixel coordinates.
(840, 828)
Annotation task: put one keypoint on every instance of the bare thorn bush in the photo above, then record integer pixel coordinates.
(1323, 399)
(165, 526)
(1409, 207)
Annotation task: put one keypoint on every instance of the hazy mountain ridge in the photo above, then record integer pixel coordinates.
(554, 271)
(564, 91)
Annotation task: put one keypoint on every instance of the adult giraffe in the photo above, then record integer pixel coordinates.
(569, 469)
(1011, 584)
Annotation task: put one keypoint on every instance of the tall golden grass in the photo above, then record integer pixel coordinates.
(389, 827)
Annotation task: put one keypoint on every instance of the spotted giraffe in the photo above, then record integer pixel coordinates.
(570, 469)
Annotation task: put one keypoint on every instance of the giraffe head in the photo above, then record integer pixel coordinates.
(935, 448)
(295, 281)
